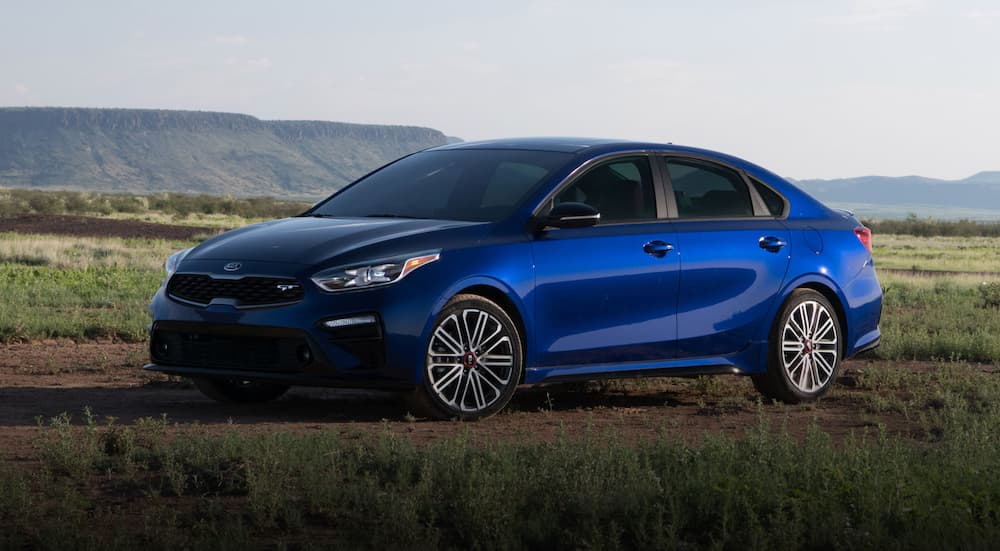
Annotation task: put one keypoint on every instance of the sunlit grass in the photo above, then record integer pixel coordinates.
(938, 318)
(66, 252)
(43, 302)
(195, 219)
(965, 254)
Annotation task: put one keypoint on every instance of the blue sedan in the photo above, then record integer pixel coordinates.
(458, 273)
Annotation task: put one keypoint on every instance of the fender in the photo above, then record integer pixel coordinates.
(466, 283)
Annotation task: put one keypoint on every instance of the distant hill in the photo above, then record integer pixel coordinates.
(143, 151)
(975, 197)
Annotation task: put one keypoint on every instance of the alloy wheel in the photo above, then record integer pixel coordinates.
(470, 361)
(810, 346)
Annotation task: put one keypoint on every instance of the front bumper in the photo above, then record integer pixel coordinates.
(290, 344)
(348, 358)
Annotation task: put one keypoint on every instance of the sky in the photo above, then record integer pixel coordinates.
(808, 89)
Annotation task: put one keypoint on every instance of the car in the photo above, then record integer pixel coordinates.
(460, 273)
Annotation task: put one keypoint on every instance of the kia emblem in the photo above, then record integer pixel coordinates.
(232, 267)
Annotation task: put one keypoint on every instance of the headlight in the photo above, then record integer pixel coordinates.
(174, 261)
(380, 272)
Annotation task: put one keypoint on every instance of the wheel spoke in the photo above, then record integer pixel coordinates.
(826, 365)
(795, 326)
(822, 332)
(454, 373)
(477, 390)
(447, 340)
(482, 375)
(465, 390)
(477, 333)
(791, 346)
(806, 368)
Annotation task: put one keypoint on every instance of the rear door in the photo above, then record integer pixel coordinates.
(734, 253)
(608, 293)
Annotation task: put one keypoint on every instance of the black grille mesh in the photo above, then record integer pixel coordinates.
(246, 291)
(251, 353)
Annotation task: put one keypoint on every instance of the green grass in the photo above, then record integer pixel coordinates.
(44, 302)
(964, 254)
(101, 484)
(938, 318)
(929, 227)
(59, 251)
(176, 206)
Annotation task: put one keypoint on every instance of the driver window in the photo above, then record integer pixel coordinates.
(622, 190)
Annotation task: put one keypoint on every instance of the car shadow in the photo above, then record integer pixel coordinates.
(23, 406)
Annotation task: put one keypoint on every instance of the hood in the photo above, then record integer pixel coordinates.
(309, 240)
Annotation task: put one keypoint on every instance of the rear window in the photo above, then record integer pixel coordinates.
(775, 203)
(706, 190)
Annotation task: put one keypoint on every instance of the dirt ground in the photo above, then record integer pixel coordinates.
(85, 226)
(44, 379)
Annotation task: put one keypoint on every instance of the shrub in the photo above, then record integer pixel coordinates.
(991, 293)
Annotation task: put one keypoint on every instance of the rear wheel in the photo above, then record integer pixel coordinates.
(473, 361)
(237, 391)
(804, 349)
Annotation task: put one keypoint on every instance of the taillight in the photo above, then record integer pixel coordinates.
(865, 236)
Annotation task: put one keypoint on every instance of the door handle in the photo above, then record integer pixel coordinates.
(771, 243)
(659, 249)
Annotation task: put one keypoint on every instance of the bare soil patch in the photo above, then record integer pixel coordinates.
(86, 226)
(44, 379)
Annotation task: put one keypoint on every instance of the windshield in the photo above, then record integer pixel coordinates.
(460, 184)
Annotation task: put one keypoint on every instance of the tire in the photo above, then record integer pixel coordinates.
(241, 392)
(804, 350)
(473, 363)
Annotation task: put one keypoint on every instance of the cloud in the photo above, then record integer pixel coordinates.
(982, 15)
(653, 72)
(231, 39)
(249, 63)
(21, 89)
(875, 14)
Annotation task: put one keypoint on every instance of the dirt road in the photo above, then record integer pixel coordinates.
(44, 379)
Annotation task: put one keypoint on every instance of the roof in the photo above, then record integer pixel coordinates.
(564, 145)
(594, 147)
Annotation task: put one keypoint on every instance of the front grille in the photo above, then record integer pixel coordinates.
(246, 292)
(210, 351)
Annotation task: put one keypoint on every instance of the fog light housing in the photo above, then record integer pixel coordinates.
(356, 326)
(303, 354)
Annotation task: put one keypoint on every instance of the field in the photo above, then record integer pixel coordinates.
(98, 454)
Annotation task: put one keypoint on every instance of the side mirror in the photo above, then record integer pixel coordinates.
(572, 215)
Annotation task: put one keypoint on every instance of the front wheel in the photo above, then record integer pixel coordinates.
(805, 349)
(473, 361)
(236, 391)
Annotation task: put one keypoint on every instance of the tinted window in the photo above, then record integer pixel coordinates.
(621, 190)
(775, 204)
(462, 184)
(704, 190)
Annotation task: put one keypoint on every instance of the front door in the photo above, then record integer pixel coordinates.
(607, 293)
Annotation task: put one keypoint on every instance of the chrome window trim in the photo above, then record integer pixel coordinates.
(760, 211)
(570, 179)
